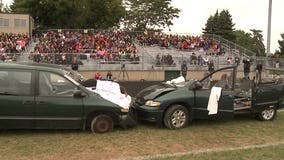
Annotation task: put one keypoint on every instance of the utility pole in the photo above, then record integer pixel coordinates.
(268, 35)
(269, 26)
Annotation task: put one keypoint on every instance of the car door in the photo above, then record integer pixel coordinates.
(225, 100)
(56, 107)
(267, 94)
(16, 99)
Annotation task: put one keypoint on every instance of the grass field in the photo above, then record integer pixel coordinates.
(148, 140)
(262, 153)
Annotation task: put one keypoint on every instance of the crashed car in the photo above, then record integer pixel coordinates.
(45, 96)
(219, 95)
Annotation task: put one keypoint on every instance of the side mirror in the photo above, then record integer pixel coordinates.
(78, 93)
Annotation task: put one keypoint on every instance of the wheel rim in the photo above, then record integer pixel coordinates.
(103, 125)
(178, 118)
(268, 114)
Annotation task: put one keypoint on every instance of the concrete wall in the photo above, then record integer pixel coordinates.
(150, 75)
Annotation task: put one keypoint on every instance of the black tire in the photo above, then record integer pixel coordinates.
(176, 117)
(102, 124)
(267, 114)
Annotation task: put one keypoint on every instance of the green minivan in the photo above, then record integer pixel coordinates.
(219, 95)
(46, 96)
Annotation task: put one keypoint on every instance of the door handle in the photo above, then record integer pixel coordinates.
(28, 102)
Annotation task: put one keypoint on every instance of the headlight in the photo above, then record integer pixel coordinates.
(123, 110)
(153, 103)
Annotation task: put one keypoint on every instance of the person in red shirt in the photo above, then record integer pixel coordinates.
(98, 76)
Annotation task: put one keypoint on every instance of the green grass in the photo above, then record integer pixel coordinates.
(144, 140)
(265, 153)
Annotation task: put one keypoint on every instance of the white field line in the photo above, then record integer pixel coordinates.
(203, 151)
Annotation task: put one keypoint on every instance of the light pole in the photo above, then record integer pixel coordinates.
(269, 26)
(268, 34)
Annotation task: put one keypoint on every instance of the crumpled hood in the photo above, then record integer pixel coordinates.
(154, 91)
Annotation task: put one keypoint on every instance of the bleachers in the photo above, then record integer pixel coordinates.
(148, 55)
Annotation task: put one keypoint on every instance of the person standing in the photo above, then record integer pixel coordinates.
(246, 68)
(258, 71)
(211, 66)
(109, 76)
(74, 64)
(184, 69)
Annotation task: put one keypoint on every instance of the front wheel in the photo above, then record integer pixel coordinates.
(101, 124)
(176, 117)
(267, 114)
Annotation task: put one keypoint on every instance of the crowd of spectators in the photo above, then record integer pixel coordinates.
(107, 46)
(164, 60)
(12, 44)
(112, 46)
(181, 42)
(193, 44)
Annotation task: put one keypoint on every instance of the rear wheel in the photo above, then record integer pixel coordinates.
(176, 117)
(267, 114)
(101, 124)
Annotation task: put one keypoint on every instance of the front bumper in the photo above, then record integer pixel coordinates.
(151, 114)
(128, 120)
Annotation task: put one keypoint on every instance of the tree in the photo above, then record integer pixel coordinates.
(257, 39)
(226, 26)
(209, 27)
(4, 8)
(142, 15)
(1, 6)
(99, 14)
(281, 46)
(220, 24)
(105, 13)
(251, 41)
(243, 38)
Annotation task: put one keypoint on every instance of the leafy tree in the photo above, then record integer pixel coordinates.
(258, 46)
(251, 41)
(149, 14)
(99, 14)
(281, 46)
(220, 24)
(42, 11)
(244, 39)
(1, 5)
(105, 13)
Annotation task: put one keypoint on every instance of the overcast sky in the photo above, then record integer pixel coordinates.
(246, 14)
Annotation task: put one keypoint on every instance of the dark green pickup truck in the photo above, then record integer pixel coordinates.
(219, 95)
(43, 96)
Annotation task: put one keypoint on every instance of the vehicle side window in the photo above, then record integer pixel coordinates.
(51, 84)
(15, 82)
